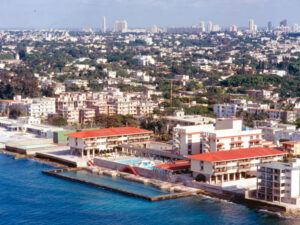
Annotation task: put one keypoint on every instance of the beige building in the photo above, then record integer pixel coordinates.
(292, 147)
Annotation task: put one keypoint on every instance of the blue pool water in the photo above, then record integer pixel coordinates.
(144, 164)
(29, 197)
(127, 161)
(117, 182)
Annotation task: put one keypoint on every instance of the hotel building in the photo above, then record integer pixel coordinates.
(279, 182)
(226, 134)
(220, 167)
(92, 142)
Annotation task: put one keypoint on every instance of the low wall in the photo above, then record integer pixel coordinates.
(205, 187)
(141, 171)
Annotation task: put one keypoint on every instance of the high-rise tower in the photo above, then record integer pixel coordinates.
(251, 25)
(104, 24)
(269, 25)
(209, 26)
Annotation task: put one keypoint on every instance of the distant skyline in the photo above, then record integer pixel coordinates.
(145, 13)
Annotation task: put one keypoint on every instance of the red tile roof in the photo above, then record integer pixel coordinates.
(176, 165)
(108, 132)
(236, 154)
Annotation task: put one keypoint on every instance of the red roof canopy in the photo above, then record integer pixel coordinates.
(108, 132)
(176, 165)
(255, 140)
(236, 142)
(236, 154)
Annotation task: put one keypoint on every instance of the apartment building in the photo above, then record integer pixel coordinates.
(279, 132)
(79, 83)
(279, 182)
(226, 134)
(179, 118)
(275, 114)
(259, 94)
(87, 115)
(36, 107)
(145, 60)
(226, 110)
(111, 101)
(236, 105)
(225, 166)
(70, 114)
(92, 142)
(292, 147)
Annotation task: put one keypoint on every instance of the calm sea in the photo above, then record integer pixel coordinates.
(29, 197)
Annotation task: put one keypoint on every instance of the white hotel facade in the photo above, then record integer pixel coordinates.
(226, 134)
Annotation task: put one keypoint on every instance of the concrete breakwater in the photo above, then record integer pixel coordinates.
(57, 173)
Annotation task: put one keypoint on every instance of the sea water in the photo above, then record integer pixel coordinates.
(27, 196)
(117, 182)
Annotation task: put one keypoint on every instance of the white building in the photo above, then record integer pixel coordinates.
(251, 25)
(226, 110)
(209, 26)
(104, 24)
(226, 134)
(279, 182)
(121, 26)
(181, 119)
(92, 142)
(77, 82)
(182, 77)
(279, 132)
(36, 107)
(144, 60)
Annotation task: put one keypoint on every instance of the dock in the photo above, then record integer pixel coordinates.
(56, 173)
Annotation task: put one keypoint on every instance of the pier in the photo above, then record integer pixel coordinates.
(56, 173)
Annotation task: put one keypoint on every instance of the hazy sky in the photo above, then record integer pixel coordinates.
(144, 13)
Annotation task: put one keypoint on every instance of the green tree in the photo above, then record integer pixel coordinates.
(15, 113)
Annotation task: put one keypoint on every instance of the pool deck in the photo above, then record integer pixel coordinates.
(56, 173)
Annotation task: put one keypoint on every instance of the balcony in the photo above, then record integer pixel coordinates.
(219, 171)
(244, 169)
(244, 162)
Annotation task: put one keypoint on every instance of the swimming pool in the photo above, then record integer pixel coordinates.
(127, 161)
(142, 163)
